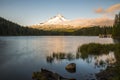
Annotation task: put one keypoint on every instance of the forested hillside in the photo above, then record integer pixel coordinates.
(8, 28)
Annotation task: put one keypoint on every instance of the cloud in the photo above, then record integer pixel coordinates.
(87, 22)
(99, 10)
(111, 9)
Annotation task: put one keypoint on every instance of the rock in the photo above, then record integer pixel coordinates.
(47, 75)
(71, 67)
(106, 74)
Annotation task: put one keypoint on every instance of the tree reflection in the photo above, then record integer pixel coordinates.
(49, 59)
(116, 40)
(60, 56)
(101, 55)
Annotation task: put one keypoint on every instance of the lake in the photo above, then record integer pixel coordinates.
(20, 56)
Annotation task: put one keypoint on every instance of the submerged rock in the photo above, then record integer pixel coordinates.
(71, 67)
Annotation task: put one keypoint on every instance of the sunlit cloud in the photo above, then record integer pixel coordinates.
(107, 18)
(112, 9)
(99, 10)
(85, 22)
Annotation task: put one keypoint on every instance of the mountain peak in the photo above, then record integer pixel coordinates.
(59, 15)
(56, 20)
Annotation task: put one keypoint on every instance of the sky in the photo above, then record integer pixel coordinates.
(29, 12)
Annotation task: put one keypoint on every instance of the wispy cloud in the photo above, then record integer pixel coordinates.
(100, 10)
(105, 20)
(101, 21)
(112, 9)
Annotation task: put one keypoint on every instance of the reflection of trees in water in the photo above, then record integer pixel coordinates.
(99, 54)
(98, 60)
(60, 56)
(116, 40)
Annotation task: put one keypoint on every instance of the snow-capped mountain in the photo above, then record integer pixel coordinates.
(59, 21)
(56, 20)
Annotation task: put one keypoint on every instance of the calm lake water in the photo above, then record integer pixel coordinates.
(21, 56)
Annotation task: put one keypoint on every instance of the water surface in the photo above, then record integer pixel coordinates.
(23, 55)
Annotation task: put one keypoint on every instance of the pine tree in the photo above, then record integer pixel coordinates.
(116, 19)
(116, 27)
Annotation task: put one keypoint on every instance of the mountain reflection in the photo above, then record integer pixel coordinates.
(101, 60)
(106, 59)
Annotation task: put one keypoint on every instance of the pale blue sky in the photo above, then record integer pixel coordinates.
(28, 12)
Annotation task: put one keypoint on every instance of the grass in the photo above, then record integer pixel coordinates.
(98, 49)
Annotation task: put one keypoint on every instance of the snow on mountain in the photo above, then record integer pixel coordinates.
(60, 22)
(56, 20)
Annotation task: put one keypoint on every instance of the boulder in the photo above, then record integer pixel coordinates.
(71, 67)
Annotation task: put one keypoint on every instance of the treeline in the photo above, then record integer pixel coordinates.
(8, 28)
(116, 27)
(94, 31)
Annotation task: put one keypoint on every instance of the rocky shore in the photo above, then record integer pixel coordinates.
(45, 74)
(107, 74)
